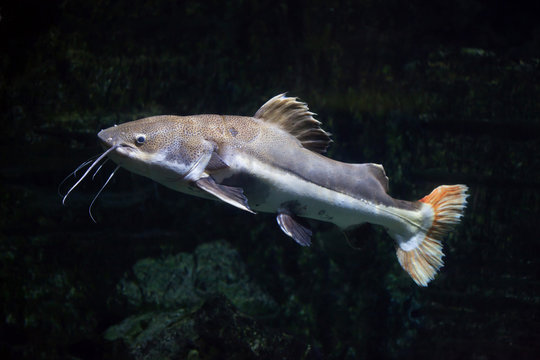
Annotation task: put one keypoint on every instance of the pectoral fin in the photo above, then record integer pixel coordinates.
(231, 195)
(216, 163)
(299, 233)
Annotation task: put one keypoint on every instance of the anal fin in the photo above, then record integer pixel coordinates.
(299, 233)
(231, 195)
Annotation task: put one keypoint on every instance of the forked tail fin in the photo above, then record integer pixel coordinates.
(421, 256)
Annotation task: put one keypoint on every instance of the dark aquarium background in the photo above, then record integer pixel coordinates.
(440, 92)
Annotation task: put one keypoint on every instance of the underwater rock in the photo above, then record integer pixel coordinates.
(161, 283)
(184, 280)
(198, 304)
(220, 270)
(153, 335)
(217, 330)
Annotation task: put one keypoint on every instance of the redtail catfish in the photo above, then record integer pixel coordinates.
(273, 162)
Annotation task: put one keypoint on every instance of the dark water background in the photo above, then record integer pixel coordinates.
(438, 92)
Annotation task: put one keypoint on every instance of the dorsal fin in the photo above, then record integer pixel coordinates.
(294, 117)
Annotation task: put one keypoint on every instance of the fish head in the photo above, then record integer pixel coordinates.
(156, 147)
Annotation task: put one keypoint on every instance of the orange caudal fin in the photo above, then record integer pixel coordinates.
(448, 202)
(421, 255)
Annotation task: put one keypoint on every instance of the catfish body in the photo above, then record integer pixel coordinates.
(273, 162)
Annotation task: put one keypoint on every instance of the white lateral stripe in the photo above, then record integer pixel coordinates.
(346, 210)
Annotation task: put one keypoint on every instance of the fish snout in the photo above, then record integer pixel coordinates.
(106, 138)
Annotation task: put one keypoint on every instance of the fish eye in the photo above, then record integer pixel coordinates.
(140, 139)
